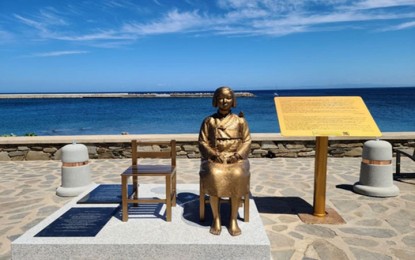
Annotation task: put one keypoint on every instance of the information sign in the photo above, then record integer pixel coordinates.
(325, 116)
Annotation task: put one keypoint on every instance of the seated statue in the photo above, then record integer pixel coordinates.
(224, 143)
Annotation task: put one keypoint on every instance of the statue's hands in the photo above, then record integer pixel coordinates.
(221, 159)
(233, 159)
(218, 158)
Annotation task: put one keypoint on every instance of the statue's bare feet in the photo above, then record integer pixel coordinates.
(234, 229)
(216, 227)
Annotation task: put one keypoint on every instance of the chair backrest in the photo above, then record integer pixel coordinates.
(150, 153)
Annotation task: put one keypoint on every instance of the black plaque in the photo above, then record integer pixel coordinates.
(105, 193)
(79, 222)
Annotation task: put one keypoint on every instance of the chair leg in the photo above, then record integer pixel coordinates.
(168, 197)
(135, 190)
(174, 190)
(201, 203)
(398, 163)
(246, 208)
(124, 195)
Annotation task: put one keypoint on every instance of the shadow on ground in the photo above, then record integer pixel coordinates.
(282, 205)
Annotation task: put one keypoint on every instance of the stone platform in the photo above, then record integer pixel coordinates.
(147, 234)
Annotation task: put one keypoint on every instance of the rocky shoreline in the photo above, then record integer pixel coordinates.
(119, 95)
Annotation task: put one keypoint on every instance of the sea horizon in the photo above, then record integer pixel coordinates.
(341, 87)
(392, 109)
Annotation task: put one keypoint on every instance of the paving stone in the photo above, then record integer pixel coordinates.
(327, 250)
(369, 222)
(18, 216)
(371, 232)
(378, 208)
(409, 197)
(409, 241)
(402, 220)
(278, 228)
(403, 254)
(316, 230)
(391, 243)
(346, 205)
(367, 255)
(279, 240)
(361, 242)
(296, 235)
(45, 211)
(292, 192)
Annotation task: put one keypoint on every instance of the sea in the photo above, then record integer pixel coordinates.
(393, 109)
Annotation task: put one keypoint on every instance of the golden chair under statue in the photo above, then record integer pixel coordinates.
(168, 171)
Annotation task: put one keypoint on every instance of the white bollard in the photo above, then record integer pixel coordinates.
(376, 172)
(76, 174)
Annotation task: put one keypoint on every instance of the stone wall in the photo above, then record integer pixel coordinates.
(189, 149)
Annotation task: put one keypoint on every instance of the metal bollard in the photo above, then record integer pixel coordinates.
(76, 174)
(376, 172)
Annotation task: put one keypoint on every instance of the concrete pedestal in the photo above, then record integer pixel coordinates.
(376, 173)
(147, 235)
(76, 173)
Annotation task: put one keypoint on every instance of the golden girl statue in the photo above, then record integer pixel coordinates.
(224, 143)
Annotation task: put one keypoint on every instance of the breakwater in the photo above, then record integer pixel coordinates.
(118, 147)
(118, 95)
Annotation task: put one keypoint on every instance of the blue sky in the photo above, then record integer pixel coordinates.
(161, 45)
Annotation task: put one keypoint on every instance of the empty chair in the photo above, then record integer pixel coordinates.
(168, 171)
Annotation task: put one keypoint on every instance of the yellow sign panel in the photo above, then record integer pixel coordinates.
(325, 116)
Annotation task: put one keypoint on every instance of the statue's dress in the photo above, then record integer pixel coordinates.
(226, 136)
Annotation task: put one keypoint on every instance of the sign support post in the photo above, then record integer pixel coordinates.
(320, 174)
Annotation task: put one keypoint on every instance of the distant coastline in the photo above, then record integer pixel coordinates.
(120, 95)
